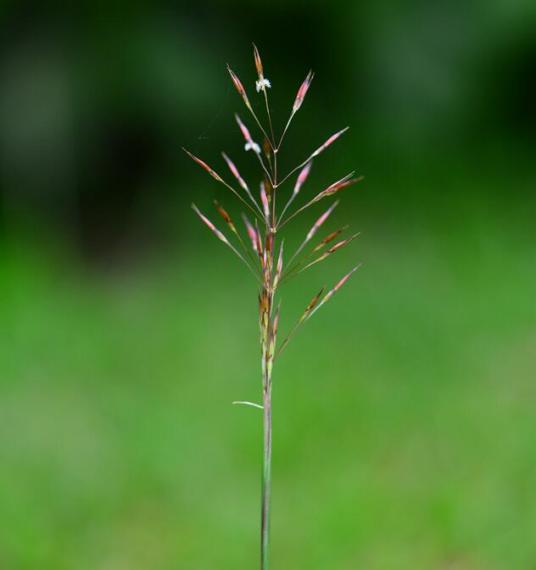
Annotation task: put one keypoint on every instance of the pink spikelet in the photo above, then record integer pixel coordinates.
(264, 201)
(245, 131)
(320, 221)
(329, 142)
(239, 87)
(234, 171)
(336, 186)
(332, 291)
(345, 278)
(302, 91)
(204, 165)
(212, 227)
(339, 284)
(258, 62)
(253, 235)
(250, 143)
(302, 177)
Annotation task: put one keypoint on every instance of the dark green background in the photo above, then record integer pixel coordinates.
(405, 433)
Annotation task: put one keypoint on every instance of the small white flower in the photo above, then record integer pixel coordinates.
(250, 145)
(262, 83)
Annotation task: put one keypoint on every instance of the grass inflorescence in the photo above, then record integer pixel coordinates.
(261, 249)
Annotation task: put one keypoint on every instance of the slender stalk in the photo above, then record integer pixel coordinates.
(268, 326)
(266, 472)
(285, 130)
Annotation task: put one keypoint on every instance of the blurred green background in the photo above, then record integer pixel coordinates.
(405, 432)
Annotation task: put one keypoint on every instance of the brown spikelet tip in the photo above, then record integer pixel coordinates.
(223, 213)
(337, 246)
(203, 165)
(237, 83)
(312, 304)
(267, 148)
(269, 242)
(258, 61)
(329, 238)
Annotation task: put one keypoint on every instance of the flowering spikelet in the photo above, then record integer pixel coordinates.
(204, 165)
(234, 171)
(336, 186)
(262, 83)
(269, 242)
(273, 332)
(302, 177)
(332, 291)
(300, 181)
(329, 238)
(212, 227)
(345, 279)
(340, 244)
(226, 217)
(253, 235)
(250, 143)
(264, 311)
(276, 321)
(302, 91)
(279, 266)
(329, 142)
(239, 87)
(258, 62)
(264, 201)
(320, 221)
(312, 304)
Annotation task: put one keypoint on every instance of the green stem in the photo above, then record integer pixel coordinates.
(268, 347)
(266, 475)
